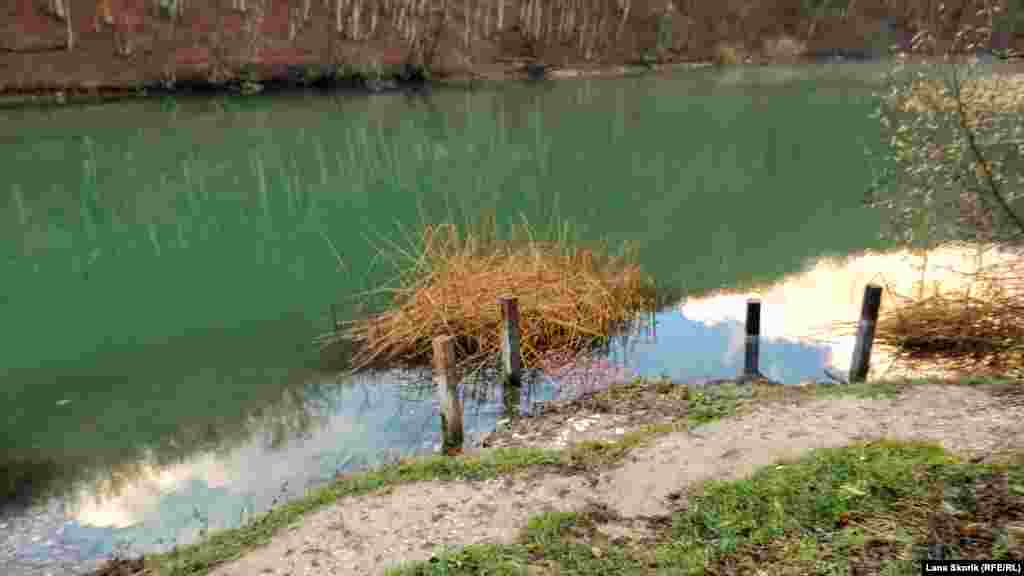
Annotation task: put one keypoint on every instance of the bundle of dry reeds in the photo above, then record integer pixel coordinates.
(978, 330)
(569, 299)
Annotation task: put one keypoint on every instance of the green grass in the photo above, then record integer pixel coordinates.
(713, 404)
(725, 521)
(861, 389)
(870, 508)
(885, 388)
(226, 545)
(553, 542)
(491, 559)
(777, 508)
(593, 454)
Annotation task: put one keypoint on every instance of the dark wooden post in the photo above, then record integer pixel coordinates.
(753, 343)
(511, 359)
(448, 392)
(865, 333)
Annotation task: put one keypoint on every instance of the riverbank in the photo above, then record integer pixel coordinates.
(116, 49)
(397, 79)
(639, 451)
(329, 80)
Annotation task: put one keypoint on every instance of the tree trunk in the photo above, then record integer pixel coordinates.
(486, 7)
(625, 16)
(356, 9)
(70, 27)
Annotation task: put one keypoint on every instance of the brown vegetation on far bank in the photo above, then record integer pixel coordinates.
(132, 43)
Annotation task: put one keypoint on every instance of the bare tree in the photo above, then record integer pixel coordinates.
(68, 22)
(953, 168)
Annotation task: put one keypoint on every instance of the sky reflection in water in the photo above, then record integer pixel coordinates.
(360, 423)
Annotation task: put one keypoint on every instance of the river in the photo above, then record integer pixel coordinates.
(166, 264)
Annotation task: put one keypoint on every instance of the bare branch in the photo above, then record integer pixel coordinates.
(985, 165)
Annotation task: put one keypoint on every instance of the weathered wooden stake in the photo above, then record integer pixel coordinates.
(865, 333)
(753, 338)
(510, 356)
(448, 393)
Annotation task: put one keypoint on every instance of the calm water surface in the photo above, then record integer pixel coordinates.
(165, 266)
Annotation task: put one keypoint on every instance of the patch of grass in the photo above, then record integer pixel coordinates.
(847, 505)
(491, 559)
(885, 388)
(867, 508)
(592, 454)
(226, 545)
(551, 543)
(712, 404)
(985, 380)
(571, 541)
(802, 495)
(872, 390)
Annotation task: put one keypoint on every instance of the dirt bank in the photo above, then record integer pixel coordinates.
(365, 534)
(125, 46)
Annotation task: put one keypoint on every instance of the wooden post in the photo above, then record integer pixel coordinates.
(448, 392)
(753, 343)
(865, 333)
(510, 356)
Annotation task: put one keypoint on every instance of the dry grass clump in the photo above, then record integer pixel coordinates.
(978, 330)
(569, 299)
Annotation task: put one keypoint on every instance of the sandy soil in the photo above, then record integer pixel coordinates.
(365, 534)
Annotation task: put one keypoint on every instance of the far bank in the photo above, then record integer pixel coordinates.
(114, 48)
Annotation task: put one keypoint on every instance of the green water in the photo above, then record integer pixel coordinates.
(164, 265)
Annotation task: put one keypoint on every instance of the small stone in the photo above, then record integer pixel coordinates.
(597, 552)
